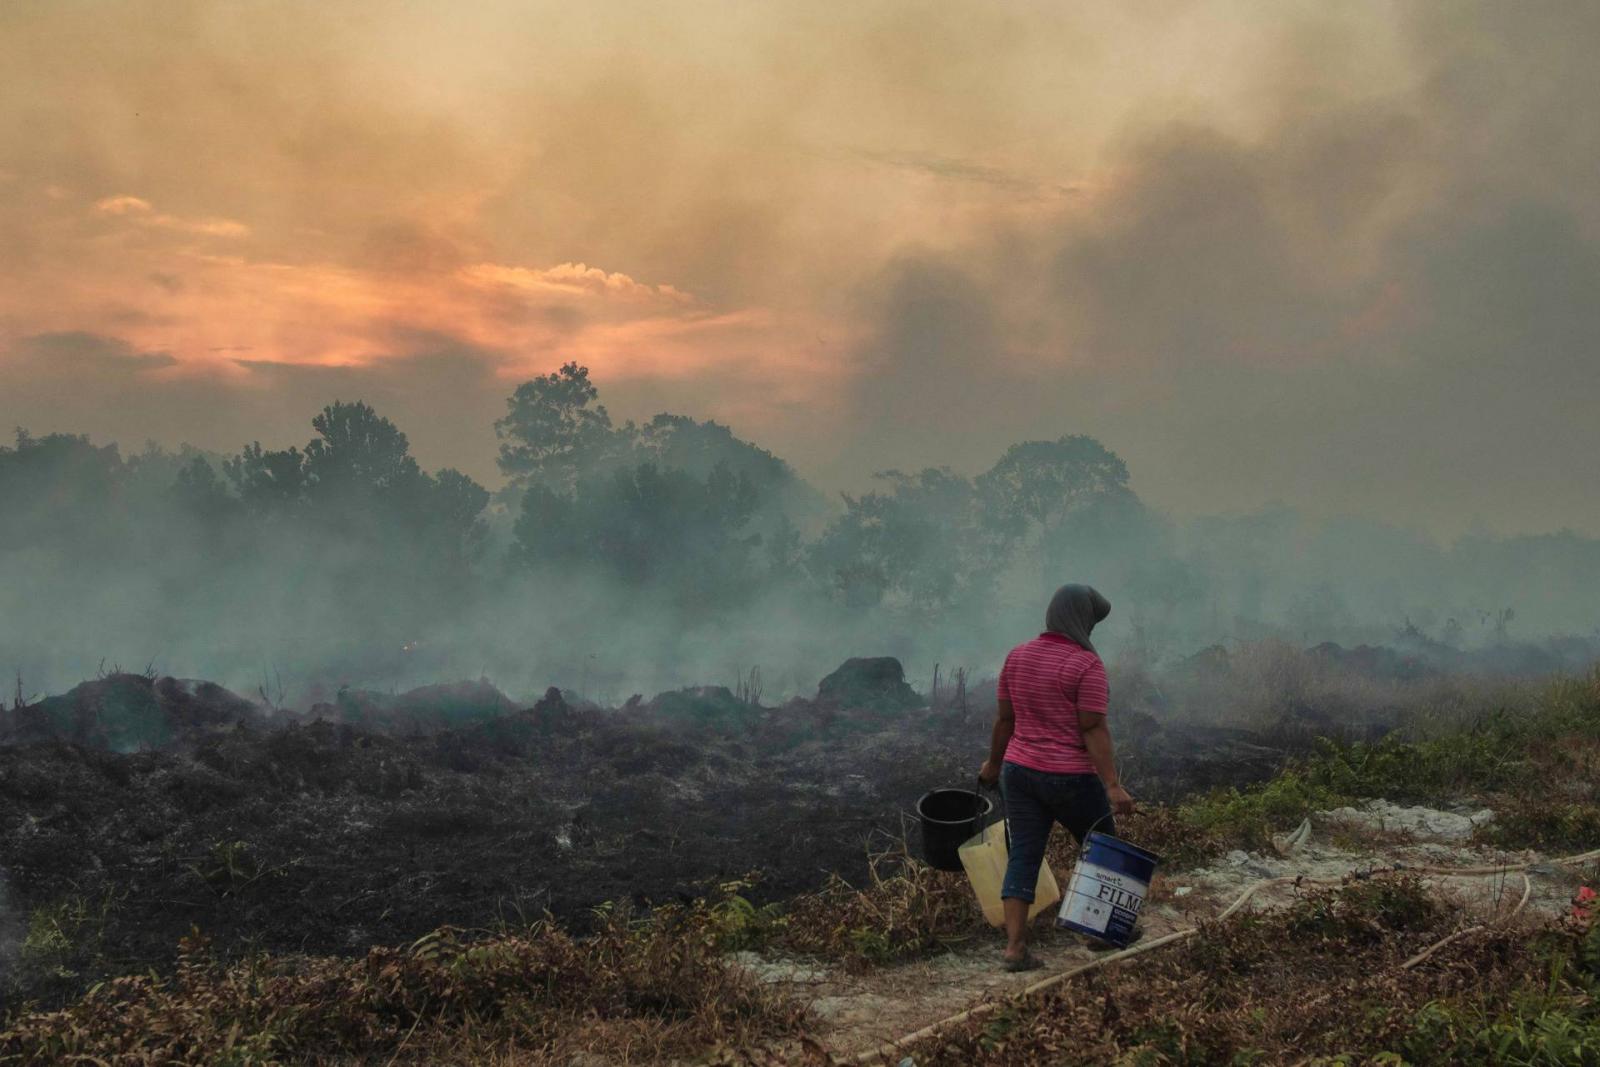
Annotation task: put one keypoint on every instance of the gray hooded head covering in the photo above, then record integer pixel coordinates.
(1073, 612)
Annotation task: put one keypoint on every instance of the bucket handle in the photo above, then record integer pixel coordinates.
(977, 811)
(1083, 846)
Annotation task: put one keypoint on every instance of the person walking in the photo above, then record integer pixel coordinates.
(1051, 751)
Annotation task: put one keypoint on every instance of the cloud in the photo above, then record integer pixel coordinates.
(143, 213)
(442, 391)
(566, 278)
(123, 205)
(73, 352)
(963, 170)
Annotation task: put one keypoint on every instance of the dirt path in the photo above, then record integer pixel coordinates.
(859, 1012)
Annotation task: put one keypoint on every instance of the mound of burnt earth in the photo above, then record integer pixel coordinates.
(1168, 764)
(427, 709)
(703, 704)
(1419, 658)
(1379, 661)
(875, 682)
(128, 712)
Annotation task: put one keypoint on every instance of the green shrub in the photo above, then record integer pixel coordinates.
(66, 931)
(1512, 755)
(1544, 824)
(1490, 756)
(1364, 912)
(1246, 818)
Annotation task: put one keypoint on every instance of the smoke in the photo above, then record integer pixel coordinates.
(130, 563)
(1319, 255)
(1322, 276)
(1369, 290)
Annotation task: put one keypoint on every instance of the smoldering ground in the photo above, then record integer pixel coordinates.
(10, 929)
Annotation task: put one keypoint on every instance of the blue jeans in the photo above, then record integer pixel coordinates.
(1035, 802)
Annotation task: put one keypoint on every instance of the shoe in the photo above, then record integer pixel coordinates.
(1028, 962)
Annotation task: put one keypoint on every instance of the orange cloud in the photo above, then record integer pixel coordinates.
(122, 205)
(208, 309)
(141, 211)
(568, 277)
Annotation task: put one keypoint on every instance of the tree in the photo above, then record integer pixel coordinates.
(267, 481)
(550, 430)
(457, 504)
(1037, 484)
(680, 441)
(357, 453)
(650, 526)
(60, 489)
(198, 488)
(923, 540)
(356, 482)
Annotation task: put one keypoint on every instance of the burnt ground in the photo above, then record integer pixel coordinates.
(337, 830)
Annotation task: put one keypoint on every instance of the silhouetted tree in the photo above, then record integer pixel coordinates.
(198, 488)
(923, 540)
(553, 429)
(267, 482)
(358, 453)
(650, 526)
(59, 489)
(458, 503)
(355, 516)
(681, 442)
(1037, 484)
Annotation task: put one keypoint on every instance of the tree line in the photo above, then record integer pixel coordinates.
(347, 532)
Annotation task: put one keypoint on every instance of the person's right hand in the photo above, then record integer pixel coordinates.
(1121, 800)
(989, 773)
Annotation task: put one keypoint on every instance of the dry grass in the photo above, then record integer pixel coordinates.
(636, 992)
(1271, 684)
(905, 909)
(1319, 983)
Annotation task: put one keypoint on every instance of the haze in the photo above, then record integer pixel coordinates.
(1340, 256)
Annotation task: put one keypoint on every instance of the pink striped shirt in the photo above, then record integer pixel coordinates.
(1048, 681)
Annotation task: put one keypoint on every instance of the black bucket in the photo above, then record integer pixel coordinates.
(949, 817)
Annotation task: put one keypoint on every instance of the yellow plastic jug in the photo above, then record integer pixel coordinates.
(984, 857)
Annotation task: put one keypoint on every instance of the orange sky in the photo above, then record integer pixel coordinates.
(865, 234)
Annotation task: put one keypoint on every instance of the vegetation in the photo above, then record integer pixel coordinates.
(61, 929)
(332, 557)
(904, 910)
(1317, 983)
(640, 989)
(1534, 764)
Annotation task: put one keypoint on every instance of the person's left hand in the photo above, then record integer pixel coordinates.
(989, 773)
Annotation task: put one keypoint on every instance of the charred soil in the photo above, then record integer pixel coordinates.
(273, 832)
